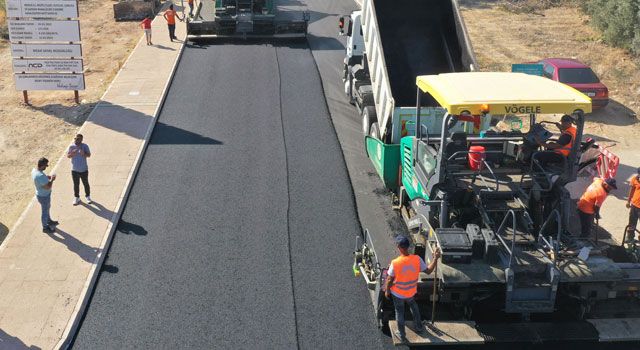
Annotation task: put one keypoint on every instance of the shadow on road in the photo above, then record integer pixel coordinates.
(73, 114)
(324, 43)
(164, 134)
(99, 210)
(84, 251)
(9, 342)
(615, 113)
(109, 268)
(4, 231)
(131, 228)
(162, 47)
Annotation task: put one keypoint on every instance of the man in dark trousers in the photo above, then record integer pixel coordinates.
(633, 203)
(402, 284)
(79, 152)
(170, 16)
(591, 201)
(43, 184)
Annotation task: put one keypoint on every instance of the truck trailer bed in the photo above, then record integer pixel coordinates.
(420, 40)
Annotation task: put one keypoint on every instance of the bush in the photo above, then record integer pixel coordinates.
(4, 31)
(617, 20)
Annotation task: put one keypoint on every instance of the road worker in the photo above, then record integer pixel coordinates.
(402, 284)
(591, 201)
(559, 149)
(567, 138)
(633, 203)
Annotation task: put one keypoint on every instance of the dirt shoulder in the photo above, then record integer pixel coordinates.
(501, 38)
(45, 128)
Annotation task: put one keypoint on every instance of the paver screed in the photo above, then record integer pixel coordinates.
(45, 279)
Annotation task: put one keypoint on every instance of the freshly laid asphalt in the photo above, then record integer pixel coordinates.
(241, 222)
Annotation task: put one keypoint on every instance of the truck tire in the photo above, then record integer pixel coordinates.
(368, 118)
(374, 131)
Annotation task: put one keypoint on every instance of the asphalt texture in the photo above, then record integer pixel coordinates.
(373, 201)
(240, 226)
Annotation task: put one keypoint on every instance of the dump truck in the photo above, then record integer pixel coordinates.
(389, 43)
(271, 19)
(477, 185)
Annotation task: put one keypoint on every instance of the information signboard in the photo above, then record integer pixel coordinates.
(44, 30)
(49, 81)
(35, 65)
(42, 8)
(46, 50)
(527, 68)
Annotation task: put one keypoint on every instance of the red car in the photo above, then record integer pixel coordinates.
(579, 76)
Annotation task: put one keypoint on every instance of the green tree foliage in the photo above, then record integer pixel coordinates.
(619, 21)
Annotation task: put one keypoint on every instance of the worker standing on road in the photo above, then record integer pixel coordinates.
(633, 203)
(402, 284)
(43, 184)
(170, 15)
(79, 152)
(146, 26)
(591, 201)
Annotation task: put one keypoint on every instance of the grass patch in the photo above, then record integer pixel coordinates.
(531, 6)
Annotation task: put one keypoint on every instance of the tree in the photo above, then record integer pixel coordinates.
(618, 20)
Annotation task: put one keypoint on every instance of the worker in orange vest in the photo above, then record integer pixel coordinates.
(170, 16)
(402, 284)
(591, 201)
(567, 138)
(633, 203)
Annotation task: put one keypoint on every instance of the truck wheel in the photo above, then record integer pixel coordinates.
(374, 131)
(368, 117)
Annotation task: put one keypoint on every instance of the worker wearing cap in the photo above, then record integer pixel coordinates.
(567, 138)
(591, 201)
(633, 203)
(402, 283)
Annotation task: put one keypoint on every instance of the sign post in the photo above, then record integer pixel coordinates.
(45, 46)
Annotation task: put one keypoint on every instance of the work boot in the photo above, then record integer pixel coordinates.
(419, 329)
(400, 337)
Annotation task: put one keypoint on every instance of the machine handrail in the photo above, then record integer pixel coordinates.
(535, 162)
(455, 154)
(555, 213)
(492, 174)
(513, 241)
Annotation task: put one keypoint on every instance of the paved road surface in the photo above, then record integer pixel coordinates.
(241, 222)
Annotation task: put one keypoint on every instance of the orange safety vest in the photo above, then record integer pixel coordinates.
(592, 197)
(407, 271)
(635, 184)
(566, 149)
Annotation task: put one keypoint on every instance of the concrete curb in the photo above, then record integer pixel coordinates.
(85, 296)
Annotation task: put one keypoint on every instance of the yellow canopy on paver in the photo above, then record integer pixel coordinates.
(502, 93)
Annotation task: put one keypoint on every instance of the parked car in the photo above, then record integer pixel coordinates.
(577, 75)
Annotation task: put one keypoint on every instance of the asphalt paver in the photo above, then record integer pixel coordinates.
(240, 225)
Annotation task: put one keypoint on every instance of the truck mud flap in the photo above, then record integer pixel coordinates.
(537, 332)
(385, 159)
